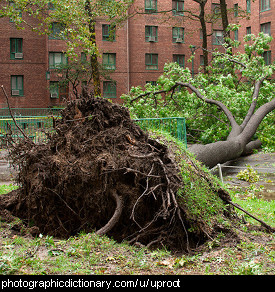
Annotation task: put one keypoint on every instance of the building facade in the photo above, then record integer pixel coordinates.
(156, 33)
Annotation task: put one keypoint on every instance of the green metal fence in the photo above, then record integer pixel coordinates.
(35, 126)
(173, 125)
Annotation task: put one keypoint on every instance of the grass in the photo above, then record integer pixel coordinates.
(88, 254)
(7, 188)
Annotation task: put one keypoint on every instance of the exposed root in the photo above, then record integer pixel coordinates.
(115, 217)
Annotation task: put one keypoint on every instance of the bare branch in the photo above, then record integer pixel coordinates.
(212, 101)
(22, 132)
(254, 102)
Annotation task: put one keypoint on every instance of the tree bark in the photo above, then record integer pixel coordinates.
(223, 7)
(204, 33)
(94, 61)
(239, 140)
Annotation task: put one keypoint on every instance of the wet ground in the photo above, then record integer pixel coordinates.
(263, 163)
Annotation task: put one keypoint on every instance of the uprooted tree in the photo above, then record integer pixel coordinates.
(99, 171)
(241, 82)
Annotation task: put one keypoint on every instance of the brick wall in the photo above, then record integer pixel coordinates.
(129, 46)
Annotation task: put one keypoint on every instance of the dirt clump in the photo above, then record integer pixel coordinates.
(101, 172)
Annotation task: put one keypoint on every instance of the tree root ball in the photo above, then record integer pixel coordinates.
(101, 172)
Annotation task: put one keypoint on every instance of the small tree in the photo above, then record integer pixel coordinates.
(223, 108)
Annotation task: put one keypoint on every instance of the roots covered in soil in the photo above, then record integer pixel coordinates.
(100, 172)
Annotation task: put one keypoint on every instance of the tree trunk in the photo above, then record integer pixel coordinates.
(223, 7)
(204, 36)
(204, 33)
(94, 61)
(237, 144)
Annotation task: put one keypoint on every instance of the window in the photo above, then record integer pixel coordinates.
(178, 7)
(201, 60)
(109, 61)
(236, 35)
(218, 37)
(17, 85)
(248, 6)
(267, 57)
(216, 9)
(150, 6)
(236, 10)
(83, 57)
(56, 60)
(16, 48)
(179, 59)
(151, 33)
(51, 6)
(18, 12)
(57, 31)
(178, 34)
(248, 30)
(54, 89)
(153, 83)
(109, 89)
(266, 28)
(57, 91)
(151, 61)
(108, 32)
(265, 5)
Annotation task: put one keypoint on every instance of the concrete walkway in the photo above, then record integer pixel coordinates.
(7, 173)
(263, 163)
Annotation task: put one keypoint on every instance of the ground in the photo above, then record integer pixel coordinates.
(93, 254)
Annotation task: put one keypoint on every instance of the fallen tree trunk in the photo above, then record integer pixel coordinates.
(239, 140)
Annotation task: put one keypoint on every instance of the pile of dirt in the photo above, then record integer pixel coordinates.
(100, 172)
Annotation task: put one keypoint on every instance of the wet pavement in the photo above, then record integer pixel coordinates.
(263, 163)
(7, 172)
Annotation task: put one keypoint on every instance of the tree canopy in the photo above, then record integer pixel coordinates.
(241, 82)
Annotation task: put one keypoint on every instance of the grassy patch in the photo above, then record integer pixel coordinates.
(7, 188)
(197, 195)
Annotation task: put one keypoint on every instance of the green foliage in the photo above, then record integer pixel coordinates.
(248, 174)
(4, 189)
(72, 16)
(231, 80)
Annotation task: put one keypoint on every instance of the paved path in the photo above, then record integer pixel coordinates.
(263, 163)
(7, 173)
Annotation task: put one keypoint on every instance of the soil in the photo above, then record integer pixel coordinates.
(100, 172)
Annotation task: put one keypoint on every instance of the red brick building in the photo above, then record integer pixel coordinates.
(137, 53)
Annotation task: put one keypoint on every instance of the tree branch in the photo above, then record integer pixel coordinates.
(254, 102)
(212, 101)
(256, 119)
(22, 132)
(154, 93)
